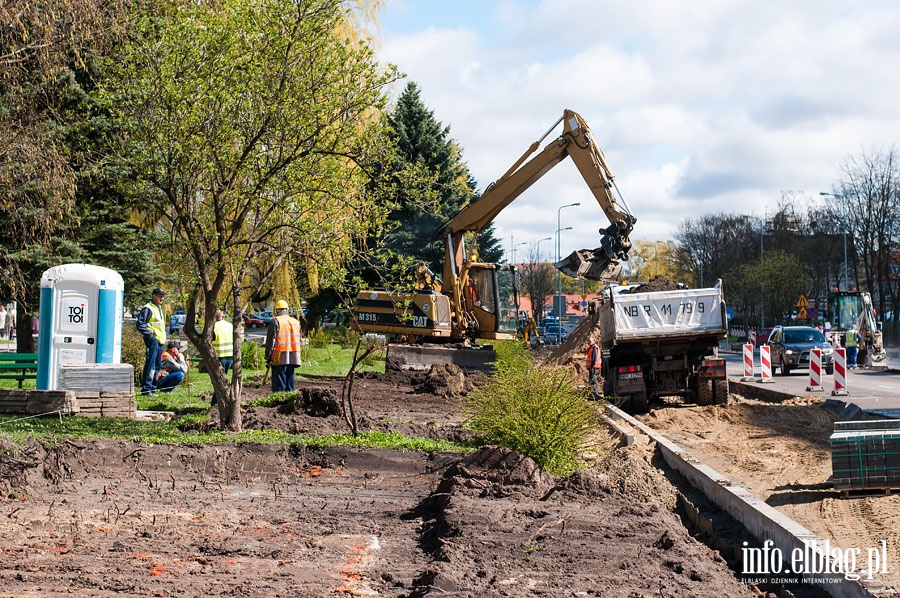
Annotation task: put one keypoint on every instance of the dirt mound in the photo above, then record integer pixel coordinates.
(657, 283)
(514, 539)
(572, 351)
(445, 380)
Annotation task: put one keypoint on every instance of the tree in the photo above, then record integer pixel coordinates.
(649, 259)
(48, 49)
(248, 126)
(865, 202)
(538, 279)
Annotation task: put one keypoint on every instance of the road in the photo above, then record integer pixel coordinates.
(877, 391)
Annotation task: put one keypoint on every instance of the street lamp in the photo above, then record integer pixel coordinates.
(762, 277)
(846, 278)
(539, 246)
(513, 260)
(559, 306)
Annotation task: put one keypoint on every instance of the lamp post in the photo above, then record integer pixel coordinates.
(513, 260)
(539, 246)
(846, 278)
(559, 305)
(762, 277)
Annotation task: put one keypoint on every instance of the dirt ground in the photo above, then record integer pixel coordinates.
(118, 518)
(780, 452)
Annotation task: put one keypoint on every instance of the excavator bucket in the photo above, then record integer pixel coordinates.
(591, 265)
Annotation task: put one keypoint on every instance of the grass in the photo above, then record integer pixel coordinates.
(192, 410)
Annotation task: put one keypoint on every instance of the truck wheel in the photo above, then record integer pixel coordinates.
(704, 392)
(639, 403)
(720, 392)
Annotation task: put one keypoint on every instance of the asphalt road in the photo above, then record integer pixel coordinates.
(876, 391)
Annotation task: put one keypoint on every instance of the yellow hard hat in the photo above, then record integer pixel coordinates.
(282, 304)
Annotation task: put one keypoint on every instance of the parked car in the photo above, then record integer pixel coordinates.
(265, 315)
(790, 347)
(251, 321)
(552, 333)
(762, 337)
(176, 323)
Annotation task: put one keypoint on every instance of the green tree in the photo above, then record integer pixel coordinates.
(248, 126)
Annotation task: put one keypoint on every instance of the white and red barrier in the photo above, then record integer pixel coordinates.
(815, 371)
(840, 372)
(748, 363)
(765, 363)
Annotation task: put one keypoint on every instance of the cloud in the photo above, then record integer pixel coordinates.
(702, 106)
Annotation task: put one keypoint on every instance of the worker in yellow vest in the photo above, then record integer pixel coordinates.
(151, 323)
(851, 343)
(283, 340)
(223, 344)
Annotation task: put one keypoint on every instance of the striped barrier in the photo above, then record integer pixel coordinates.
(840, 372)
(748, 363)
(765, 363)
(815, 371)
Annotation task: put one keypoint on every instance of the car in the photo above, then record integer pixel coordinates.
(762, 337)
(251, 321)
(790, 348)
(265, 315)
(552, 333)
(176, 323)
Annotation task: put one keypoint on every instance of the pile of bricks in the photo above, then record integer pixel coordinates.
(38, 402)
(106, 404)
(865, 455)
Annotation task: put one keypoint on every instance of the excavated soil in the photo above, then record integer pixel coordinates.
(780, 452)
(119, 518)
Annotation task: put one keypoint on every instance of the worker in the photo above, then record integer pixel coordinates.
(151, 323)
(173, 368)
(592, 363)
(851, 342)
(283, 340)
(223, 344)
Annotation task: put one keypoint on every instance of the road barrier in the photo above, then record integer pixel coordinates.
(748, 363)
(840, 372)
(815, 371)
(765, 363)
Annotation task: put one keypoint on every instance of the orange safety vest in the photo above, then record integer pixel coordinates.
(593, 358)
(287, 340)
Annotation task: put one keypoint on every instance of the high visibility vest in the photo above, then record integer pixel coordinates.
(157, 322)
(288, 339)
(593, 358)
(851, 340)
(223, 339)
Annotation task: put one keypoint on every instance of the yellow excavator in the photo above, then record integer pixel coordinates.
(442, 319)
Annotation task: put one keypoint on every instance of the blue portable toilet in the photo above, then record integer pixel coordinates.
(81, 317)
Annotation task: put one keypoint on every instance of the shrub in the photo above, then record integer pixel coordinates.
(535, 410)
(133, 350)
(253, 355)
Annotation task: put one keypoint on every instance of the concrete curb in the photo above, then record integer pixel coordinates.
(763, 521)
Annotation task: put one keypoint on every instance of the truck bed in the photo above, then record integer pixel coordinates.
(669, 315)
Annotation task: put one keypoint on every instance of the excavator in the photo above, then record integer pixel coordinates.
(443, 319)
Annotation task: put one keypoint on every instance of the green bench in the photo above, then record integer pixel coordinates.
(18, 366)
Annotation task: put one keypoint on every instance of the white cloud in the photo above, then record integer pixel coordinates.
(701, 106)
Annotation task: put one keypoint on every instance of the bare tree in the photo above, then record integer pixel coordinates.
(537, 282)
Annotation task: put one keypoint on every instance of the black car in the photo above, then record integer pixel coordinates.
(790, 347)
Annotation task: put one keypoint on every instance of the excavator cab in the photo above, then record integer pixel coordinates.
(491, 300)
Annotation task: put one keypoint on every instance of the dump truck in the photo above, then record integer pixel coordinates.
(662, 344)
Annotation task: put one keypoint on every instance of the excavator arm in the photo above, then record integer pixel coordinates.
(576, 142)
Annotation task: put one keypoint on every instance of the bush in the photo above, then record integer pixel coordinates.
(133, 351)
(253, 355)
(535, 410)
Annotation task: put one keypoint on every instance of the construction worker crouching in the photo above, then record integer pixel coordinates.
(283, 341)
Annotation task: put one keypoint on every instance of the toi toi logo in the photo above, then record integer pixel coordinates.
(76, 314)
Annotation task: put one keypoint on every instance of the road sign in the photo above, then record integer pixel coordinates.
(813, 313)
(584, 304)
(802, 302)
(729, 314)
(801, 314)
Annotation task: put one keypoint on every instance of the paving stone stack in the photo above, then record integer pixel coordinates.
(37, 402)
(102, 389)
(865, 455)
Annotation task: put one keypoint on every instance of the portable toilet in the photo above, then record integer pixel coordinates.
(81, 316)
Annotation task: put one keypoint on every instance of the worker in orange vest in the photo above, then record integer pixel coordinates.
(592, 363)
(283, 340)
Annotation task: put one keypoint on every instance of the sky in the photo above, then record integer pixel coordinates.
(700, 107)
